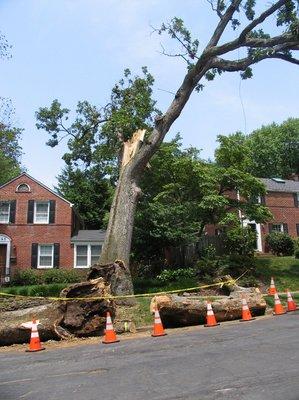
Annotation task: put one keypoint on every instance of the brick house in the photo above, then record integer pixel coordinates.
(40, 229)
(282, 199)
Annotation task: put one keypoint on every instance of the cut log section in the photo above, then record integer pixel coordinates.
(176, 311)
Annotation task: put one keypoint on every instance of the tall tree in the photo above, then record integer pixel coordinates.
(206, 65)
(89, 191)
(271, 151)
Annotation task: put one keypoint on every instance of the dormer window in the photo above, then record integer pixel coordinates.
(23, 188)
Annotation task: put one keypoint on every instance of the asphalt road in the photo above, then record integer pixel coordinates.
(256, 360)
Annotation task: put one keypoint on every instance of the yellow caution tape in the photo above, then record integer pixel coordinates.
(232, 281)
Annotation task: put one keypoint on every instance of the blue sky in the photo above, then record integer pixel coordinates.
(77, 49)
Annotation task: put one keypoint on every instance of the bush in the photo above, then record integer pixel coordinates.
(26, 277)
(60, 276)
(239, 240)
(280, 244)
(296, 253)
(29, 277)
(173, 275)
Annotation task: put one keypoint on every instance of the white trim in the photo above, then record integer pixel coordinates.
(6, 240)
(39, 183)
(25, 191)
(88, 244)
(259, 246)
(34, 213)
(38, 256)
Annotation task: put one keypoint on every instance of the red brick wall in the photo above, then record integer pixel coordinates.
(23, 234)
(283, 208)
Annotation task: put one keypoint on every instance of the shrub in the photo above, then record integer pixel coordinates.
(60, 276)
(172, 275)
(28, 277)
(296, 253)
(239, 240)
(280, 244)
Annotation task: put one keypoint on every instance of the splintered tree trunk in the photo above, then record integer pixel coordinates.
(119, 232)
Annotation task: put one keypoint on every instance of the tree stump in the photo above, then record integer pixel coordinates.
(119, 279)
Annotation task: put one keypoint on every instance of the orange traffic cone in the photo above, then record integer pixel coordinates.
(211, 320)
(35, 344)
(292, 306)
(272, 288)
(110, 335)
(246, 314)
(278, 308)
(158, 329)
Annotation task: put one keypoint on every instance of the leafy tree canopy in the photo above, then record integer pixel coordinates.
(271, 151)
(182, 193)
(10, 149)
(96, 135)
(89, 191)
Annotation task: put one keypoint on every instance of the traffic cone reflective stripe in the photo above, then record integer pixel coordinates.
(246, 314)
(211, 320)
(292, 306)
(35, 344)
(158, 329)
(272, 288)
(110, 335)
(278, 308)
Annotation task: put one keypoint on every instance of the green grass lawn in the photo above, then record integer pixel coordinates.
(285, 271)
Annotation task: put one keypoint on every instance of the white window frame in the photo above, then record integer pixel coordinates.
(88, 253)
(35, 205)
(38, 256)
(23, 191)
(281, 228)
(8, 214)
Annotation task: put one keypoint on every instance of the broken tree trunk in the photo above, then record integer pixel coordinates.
(62, 319)
(178, 311)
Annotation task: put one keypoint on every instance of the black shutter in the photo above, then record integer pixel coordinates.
(30, 211)
(52, 212)
(285, 228)
(297, 227)
(296, 199)
(56, 254)
(12, 213)
(270, 226)
(263, 200)
(34, 251)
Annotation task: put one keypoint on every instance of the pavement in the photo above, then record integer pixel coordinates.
(257, 360)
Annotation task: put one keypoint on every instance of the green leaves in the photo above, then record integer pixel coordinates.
(96, 135)
(272, 150)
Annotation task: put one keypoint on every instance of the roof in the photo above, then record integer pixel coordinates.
(281, 185)
(86, 235)
(39, 183)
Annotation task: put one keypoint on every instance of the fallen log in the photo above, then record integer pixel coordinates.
(176, 311)
(62, 319)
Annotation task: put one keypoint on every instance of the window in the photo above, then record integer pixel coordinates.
(23, 187)
(277, 228)
(4, 212)
(87, 255)
(41, 212)
(45, 255)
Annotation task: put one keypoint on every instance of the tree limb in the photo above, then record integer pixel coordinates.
(225, 18)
